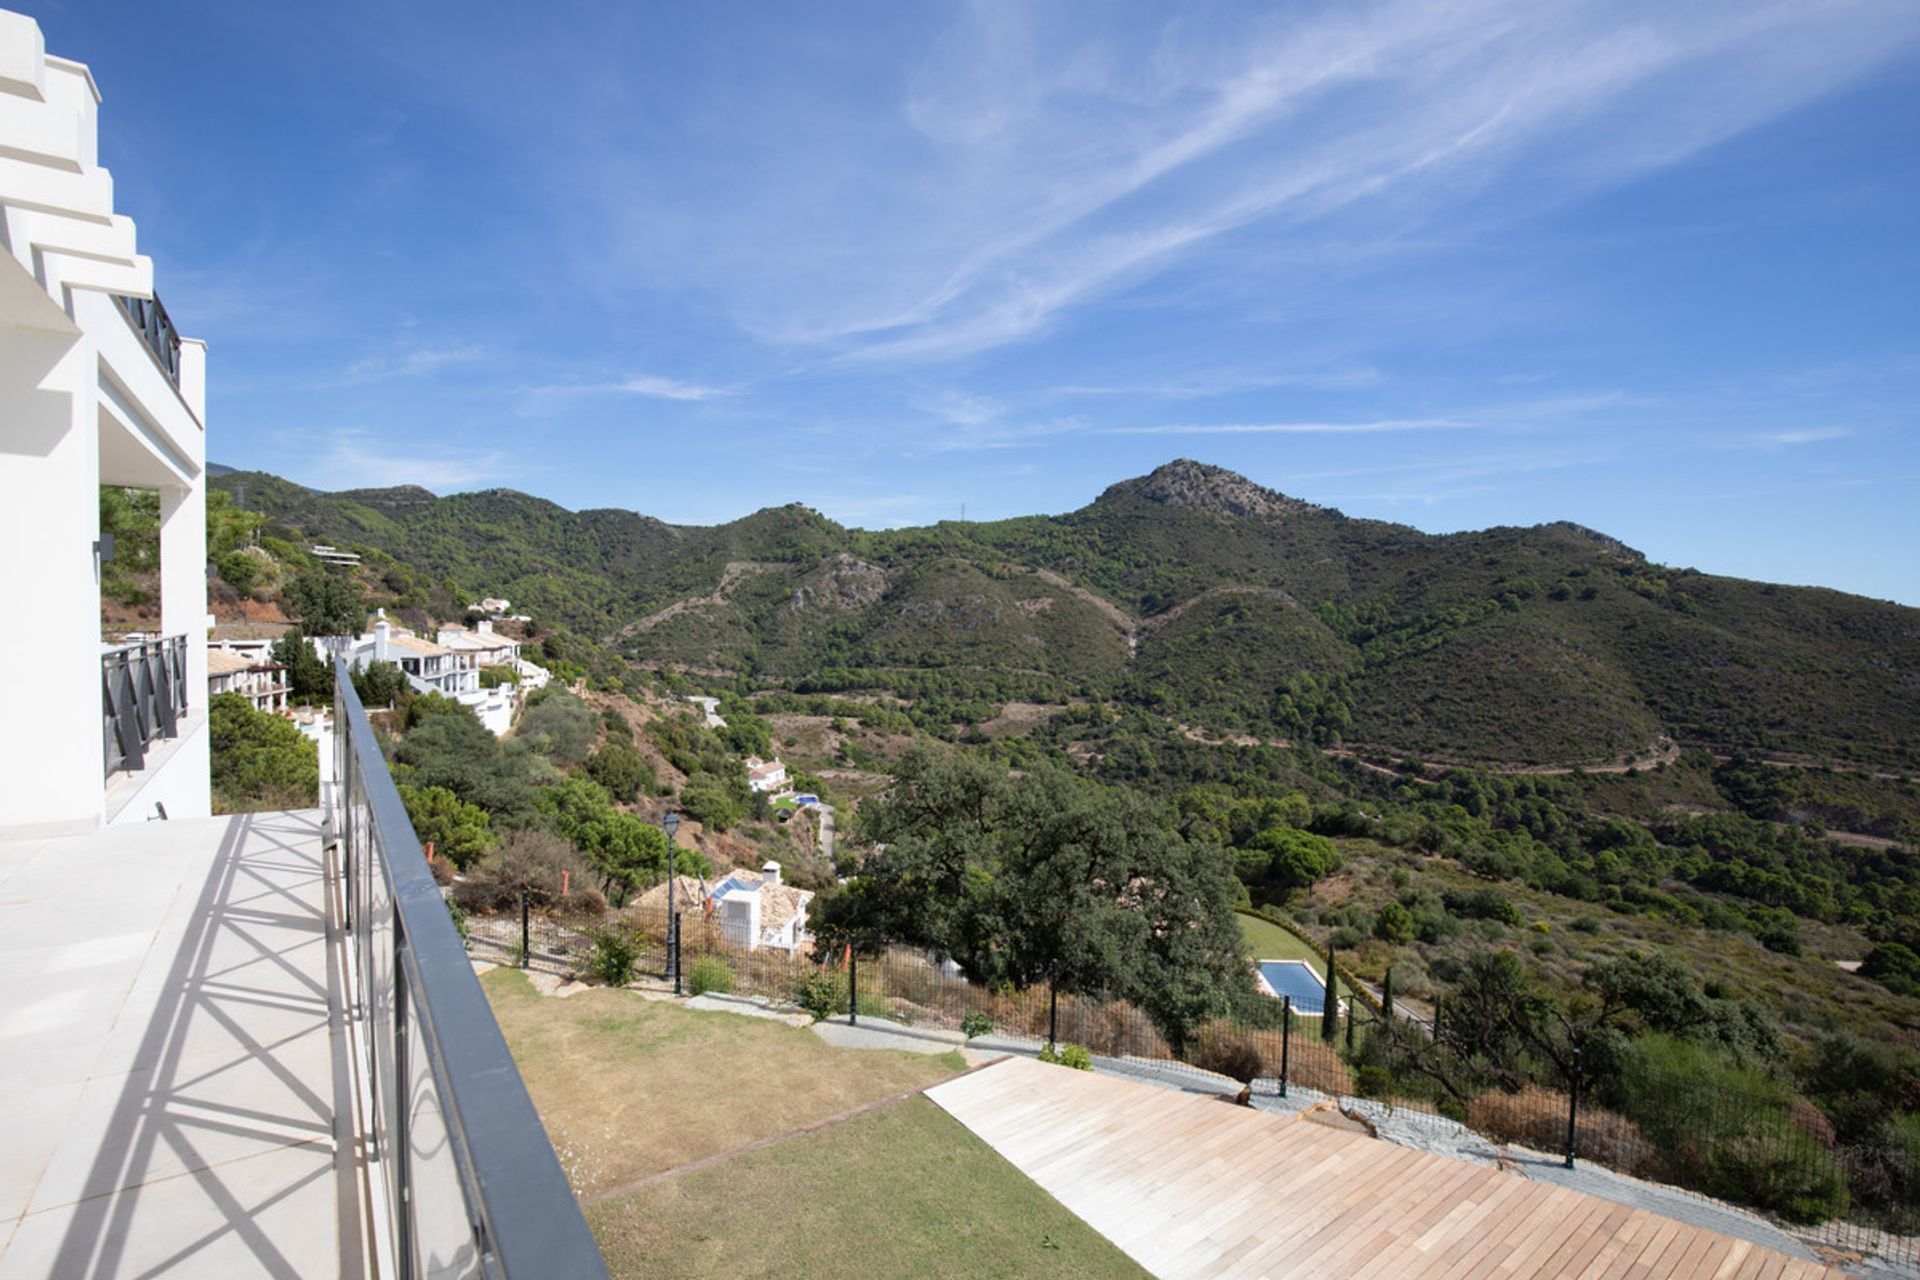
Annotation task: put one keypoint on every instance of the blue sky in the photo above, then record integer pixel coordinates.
(1651, 267)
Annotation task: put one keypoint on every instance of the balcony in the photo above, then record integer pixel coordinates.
(143, 699)
(253, 1045)
(150, 320)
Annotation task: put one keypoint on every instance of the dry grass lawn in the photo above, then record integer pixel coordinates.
(629, 1087)
(904, 1190)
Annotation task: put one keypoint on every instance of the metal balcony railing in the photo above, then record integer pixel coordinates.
(150, 320)
(143, 696)
(470, 1183)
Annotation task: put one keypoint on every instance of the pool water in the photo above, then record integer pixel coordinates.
(1297, 979)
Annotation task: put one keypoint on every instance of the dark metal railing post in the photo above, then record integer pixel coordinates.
(673, 935)
(853, 986)
(1286, 1040)
(526, 947)
(1573, 1107)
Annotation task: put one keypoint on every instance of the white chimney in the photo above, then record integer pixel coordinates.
(771, 872)
(382, 630)
(484, 626)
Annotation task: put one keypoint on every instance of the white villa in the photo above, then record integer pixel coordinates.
(264, 684)
(488, 647)
(428, 666)
(765, 775)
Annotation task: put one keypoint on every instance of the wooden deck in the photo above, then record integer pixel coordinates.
(1192, 1187)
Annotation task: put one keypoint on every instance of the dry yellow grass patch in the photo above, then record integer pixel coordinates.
(629, 1087)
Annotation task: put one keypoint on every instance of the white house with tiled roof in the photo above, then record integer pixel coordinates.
(765, 775)
(488, 647)
(430, 667)
(264, 684)
(754, 910)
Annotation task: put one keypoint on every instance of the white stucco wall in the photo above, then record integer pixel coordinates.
(82, 403)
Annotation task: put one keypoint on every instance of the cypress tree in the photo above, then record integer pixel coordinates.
(1386, 994)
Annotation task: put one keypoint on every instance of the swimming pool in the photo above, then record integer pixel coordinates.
(1295, 978)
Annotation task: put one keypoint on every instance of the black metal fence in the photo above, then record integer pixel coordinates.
(143, 697)
(471, 1184)
(1747, 1150)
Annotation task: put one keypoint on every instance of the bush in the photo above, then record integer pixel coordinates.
(821, 994)
(975, 1024)
(531, 861)
(1068, 1055)
(1394, 924)
(1537, 1118)
(622, 771)
(616, 956)
(709, 973)
(1373, 1081)
(459, 915)
(1226, 1050)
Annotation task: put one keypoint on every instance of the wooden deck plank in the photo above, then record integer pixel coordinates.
(1197, 1190)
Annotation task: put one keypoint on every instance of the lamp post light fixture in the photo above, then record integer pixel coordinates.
(670, 824)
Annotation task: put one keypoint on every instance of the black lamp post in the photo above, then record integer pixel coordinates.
(671, 824)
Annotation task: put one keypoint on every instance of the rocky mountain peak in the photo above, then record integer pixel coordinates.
(1186, 483)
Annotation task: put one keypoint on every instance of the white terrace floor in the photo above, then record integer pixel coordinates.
(173, 1052)
(1194, 1187)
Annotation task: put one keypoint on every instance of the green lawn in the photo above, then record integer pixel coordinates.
(1270, 942)
(902, 1191)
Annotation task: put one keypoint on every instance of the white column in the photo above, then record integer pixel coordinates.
(183, 611)
(52, 767)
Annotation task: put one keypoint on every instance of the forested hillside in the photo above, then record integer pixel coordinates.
(1202, 597)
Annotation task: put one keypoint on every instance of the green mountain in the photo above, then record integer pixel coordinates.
(1200, 595)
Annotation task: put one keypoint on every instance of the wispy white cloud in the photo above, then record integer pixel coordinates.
(646, 385)
(411, 362)
(1291, 428)
(354, 459)
(1200, 386)
(1802, 435)
(667, 388)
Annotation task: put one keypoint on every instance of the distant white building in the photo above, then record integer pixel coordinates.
(755, 910)
(765, 775)
(488, 647)
(264, 684)
(429, 668)
(492, 606)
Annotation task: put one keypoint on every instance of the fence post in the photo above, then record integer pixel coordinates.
(673, 949)
(1286, 1039)
(1353, 1016)
(1386, 994)
(1330, 1004)
(526, 947)
(1053, 1013)
(1573, 1106)
(853, 986)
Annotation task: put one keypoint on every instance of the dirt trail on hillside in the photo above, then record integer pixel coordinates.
(1665, 751)
(729, 578)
